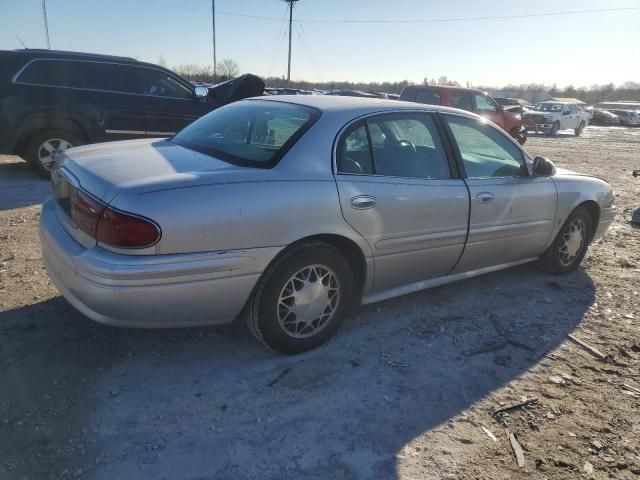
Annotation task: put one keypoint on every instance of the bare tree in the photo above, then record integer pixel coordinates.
(227, 69)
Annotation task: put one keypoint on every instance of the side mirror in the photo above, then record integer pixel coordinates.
(200, 91)
(543, 167)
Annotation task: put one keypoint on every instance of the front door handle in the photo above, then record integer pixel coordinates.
(485, 197)
(362, 202)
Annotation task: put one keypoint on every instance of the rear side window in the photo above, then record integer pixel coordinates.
(109, 77)
(395, 145)
(254, 133)
(160, 84)
(408, 94)
(57, 73)
(428, 96)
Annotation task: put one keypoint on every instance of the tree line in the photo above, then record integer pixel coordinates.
(532, 92)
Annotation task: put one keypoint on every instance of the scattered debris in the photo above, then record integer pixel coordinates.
(525, 403)
(595, 352)
(556, 379)
(517, 449)
(279, 377)
(588, 468)
(488, 433)
(631, 388)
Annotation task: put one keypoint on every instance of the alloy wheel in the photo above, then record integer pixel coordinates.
(49, 148)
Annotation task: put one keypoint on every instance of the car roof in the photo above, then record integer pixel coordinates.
(361, 104)
(446, 87)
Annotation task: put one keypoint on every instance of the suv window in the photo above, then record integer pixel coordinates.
(428, 96)
(485, 151)
(109, 77)
(252, 133)
(161, 84)
(484, 103)
(461, 100)
(57, 73)
(408, 146)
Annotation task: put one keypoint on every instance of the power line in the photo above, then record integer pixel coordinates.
(410, 20)
(282, 33)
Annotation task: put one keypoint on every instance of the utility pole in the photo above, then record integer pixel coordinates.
(46, 24)
(213, 24)
(290, 2)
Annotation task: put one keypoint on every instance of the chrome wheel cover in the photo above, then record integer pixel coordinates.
(308, 301)
(49, 148)
(572, 242)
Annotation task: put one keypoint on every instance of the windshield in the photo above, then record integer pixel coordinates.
(549, 107)
(254, 133)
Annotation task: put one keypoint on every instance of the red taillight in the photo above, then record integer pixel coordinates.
(86, 212)
(126, 231)
(110, 226)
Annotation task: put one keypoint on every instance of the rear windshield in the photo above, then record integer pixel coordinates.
(254, 133)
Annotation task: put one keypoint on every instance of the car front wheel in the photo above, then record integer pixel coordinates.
(43, 146)
(578, 131)
(570, 246)
(302, 299)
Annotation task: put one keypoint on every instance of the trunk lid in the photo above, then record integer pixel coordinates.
(106, 169)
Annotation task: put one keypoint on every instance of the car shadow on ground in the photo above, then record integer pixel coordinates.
(81, 398)
(20, 186)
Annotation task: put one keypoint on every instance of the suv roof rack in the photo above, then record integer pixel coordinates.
(68, 52)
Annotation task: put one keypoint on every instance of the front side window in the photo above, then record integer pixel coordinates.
(485, 151)
(56, 73)
(402, 145)
(157, 83)
(254, 133)
(484, 103)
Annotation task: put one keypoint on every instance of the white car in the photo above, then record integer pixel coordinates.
(550, 117)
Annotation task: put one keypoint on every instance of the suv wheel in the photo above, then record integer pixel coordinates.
(554, 129)
(43, 146)
(578, 131)
(519, 134)
(301, 299)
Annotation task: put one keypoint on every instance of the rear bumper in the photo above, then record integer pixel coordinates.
(607, 215)
(149, 290)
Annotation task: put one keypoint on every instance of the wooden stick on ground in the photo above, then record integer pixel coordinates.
(517, 449)
(524, 403)
(593, 351)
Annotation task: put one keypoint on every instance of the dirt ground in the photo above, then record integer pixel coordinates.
(403, 391)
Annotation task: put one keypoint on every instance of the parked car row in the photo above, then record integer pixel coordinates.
(53, 100)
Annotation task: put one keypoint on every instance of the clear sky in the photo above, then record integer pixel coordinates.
(580, 49)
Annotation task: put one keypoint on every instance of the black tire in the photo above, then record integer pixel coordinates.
(264, 308)
(555, 129)
(520, 135)
(578, 131)
(556, 259)
(34, 146)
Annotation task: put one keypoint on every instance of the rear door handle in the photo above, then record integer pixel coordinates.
(362, 202)
(485, 197)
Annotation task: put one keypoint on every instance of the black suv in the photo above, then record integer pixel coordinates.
(52, 100)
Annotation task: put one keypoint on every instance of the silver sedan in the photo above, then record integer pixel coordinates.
(289, 210)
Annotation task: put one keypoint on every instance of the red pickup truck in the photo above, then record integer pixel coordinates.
(468, 99)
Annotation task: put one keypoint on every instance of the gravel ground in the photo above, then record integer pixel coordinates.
(402, 392)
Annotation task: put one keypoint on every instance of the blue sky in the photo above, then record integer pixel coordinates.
(579, 49)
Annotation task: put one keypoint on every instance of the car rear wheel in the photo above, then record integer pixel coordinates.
(519, 134)
(570, 246)
(302, 299)
(43, 146)
(554, 129)
(578, 131)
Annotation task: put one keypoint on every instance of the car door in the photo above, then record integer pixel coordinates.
(170, 103)
(114, 91)
(569, 116)
(512, 212)
(398, 190)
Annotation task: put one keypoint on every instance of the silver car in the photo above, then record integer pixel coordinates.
(288, 210)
